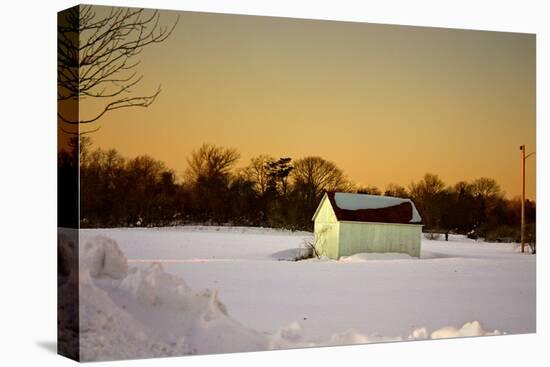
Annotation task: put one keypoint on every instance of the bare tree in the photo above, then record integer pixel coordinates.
(427, 194)
(486, 188)
(396, 191)
(430, 184)
(258, 172)
(312, 176)
(97, 58)
(211, 161)
(369, 189)
(462, 188)
(318, 175)
(488, 192)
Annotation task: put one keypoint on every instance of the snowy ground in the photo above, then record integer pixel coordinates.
(232, 289)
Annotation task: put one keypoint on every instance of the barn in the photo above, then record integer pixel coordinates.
(347, 224)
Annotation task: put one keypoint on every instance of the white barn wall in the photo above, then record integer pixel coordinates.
(326, 228)
(356, 237)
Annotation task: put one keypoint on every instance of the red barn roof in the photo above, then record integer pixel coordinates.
(372, 208)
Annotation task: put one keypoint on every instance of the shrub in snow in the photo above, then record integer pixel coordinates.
(472, 235)
(308, 251)
(103, 257)
(503, 234)
(304, 253)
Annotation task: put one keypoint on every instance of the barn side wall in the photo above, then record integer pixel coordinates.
(355, 237)
(326, 231)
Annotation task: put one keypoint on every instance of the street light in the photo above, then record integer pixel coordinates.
(523, 158)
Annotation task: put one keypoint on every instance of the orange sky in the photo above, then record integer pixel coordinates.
(385, 103)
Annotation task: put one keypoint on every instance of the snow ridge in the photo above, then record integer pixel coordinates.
(130, 312)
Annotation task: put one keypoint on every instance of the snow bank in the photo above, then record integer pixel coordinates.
(108, 331)
(153, 286)
(291, 336)
(354, 337)
(364, 256)
(147, 312)
(468, 329)
(103, 257)
(419, 334)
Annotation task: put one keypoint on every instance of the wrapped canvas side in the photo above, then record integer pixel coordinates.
(67, 189)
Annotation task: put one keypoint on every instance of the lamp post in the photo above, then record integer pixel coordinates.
(523, 158)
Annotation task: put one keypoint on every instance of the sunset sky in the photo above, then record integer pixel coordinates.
(385, 103)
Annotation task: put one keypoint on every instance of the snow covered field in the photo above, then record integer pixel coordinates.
(196, 290)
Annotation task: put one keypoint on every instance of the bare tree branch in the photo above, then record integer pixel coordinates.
(120, 103)
(80, 133)
(97, 57)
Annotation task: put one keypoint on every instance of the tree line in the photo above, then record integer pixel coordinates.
(269, 191)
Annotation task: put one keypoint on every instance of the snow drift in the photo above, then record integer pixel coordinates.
(365, 256)
(102, 256)
(128, 312)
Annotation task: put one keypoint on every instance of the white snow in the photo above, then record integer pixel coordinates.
(197, 290)
(102, 256)
(350, 201)
(468, 329)
(360, 257)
